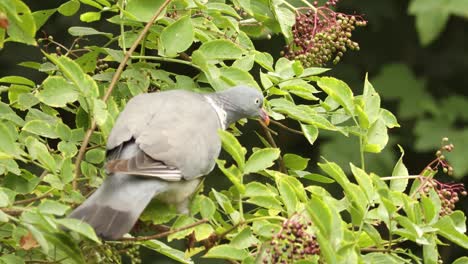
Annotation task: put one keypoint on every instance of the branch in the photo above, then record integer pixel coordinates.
(272, 142)
(164, 234)
(113, 83)
(286, 128)
(26, 201)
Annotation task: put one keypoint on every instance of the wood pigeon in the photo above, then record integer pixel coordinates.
(160, 146)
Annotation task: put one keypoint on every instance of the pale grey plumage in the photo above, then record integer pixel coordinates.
(160, 145)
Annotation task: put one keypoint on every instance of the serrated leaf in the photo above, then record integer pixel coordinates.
(86, 31)
(177, 37)
(339, 91)
(233, 174)
(288, 196)
(261, 159)
(39, 151)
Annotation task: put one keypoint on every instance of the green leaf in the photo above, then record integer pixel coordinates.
(39, 151)
(143, 10)
(399, 185)
(232, 146)
(286, 20)
(257, 189)
(371, 101)
(431, 19)
(80, 227)
(207, 208)
(8, 139)
(295, 162)
(86, 31)
(95, 156)
(244, 239)
(72, 71)
(233, 174)
(388, 118)
(11, 259)
(261, 159)
(17, 80)
(288, 196)
(462, 260)
(25, 183)
(221, 49)
(21, 24)
(40, 128)
(376, 138)
(177, 37)
(430, 253)
(68, 149)
(39, 237)
(167, 251)
(318, 178)
(339, 91)
(226, 252)
(4, 201)
(53, 207)
(310, 133)
(269, 202)
(69, 8)
(90, 16)
(447, 229)
(365, 182)
(326, 218)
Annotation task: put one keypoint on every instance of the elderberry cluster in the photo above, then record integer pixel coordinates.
(447, 192)
(321, 34)
(292, 243)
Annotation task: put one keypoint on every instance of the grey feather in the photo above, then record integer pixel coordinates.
(160, 145)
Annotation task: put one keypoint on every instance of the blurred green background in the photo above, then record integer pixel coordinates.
(425, 86)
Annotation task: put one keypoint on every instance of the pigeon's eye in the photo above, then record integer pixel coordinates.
(257, 101)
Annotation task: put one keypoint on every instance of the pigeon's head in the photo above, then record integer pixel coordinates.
(241, 102)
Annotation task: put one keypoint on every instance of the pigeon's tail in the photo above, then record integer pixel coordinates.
(116, 205)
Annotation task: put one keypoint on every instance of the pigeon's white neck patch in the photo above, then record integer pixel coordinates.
(222, 115)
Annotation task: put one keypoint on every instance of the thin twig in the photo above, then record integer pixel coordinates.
(12, 212)
(164, 234)
(29, 200)
(389, 178)
(286, 127)
(113, 83)
(272, 142)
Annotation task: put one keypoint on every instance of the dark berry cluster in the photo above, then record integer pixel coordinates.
(292, 243)
(448, 192)
(112, 253)
(321, 34)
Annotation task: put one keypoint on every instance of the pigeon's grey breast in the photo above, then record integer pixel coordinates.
(179, 128)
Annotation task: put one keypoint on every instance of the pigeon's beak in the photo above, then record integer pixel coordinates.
(264, 116)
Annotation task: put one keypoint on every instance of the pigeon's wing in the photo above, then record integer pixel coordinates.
(176, 132)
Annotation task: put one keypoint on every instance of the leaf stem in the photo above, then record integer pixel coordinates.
(156, 58)
(164, 234)
(286, 127)
(112, 84)
(272, 142)
(389, 178)
(309, 5)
